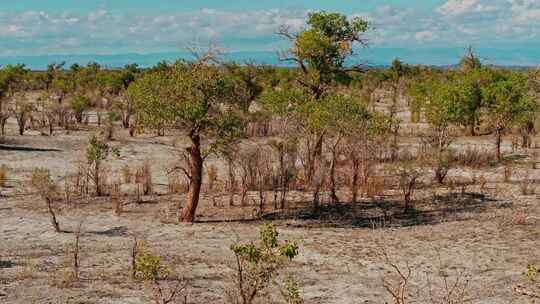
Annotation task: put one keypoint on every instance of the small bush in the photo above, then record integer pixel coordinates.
(47, 189)
(259, 264)
(148, 266)
(531, 287)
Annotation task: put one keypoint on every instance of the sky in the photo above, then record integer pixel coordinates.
(53, 27)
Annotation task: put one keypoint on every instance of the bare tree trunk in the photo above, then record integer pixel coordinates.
(333, 184)
(126, 117)
(3, 120)
(195, 182)
(498, 141)
(317, 175)
(21, 122)
(354, 179)
(97, 179)
(54, 222)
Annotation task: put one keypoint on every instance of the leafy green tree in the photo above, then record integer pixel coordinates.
(79, 105)
(338, 117)
(199, 98)
(320, 52)
(13, 83)
(509, 102)
(21, 110)
(441, 103)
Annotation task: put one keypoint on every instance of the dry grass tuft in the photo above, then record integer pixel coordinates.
(3, 175)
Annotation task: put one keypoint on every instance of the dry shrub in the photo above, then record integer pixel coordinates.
(285, 172)
(127, 175)
(508, 171)
(409, 178)
(143, 177)
(68, 190)
(475, 158)
(63, 278)
(28, 272)
(249, 162)
(3, 175)
(482, 181)
(440, 286)
(212, 174)
(374, 186)
(116, 199)
(534, 160)
(47, 189)
(526, 184)
(176, 184)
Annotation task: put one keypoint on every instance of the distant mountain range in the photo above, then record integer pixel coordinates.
(367, 56)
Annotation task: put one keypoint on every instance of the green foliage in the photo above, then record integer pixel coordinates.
(328, 42)
(197, 97)
(508, 101)
(13, 78)
(291, 291)
(79, 105)
(148, 266)
(322, 49)
(532, 273)
(97, 150)
(260, 263)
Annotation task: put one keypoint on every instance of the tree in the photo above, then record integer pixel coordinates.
(321, 52)
(199, 98)
(509, 102)
(441, 103)
(21, 110)
(469, 61)
(125, 104)
(395, 75)
(13, 80)
(96, 152)
(339, 117)
(79, 105)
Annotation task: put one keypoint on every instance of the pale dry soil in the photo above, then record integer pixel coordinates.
(487, 235)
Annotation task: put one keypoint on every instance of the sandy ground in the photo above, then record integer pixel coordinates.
(486, 235)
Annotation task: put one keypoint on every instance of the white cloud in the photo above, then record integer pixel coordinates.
(454, 23)
(425, 36)
(457, 7)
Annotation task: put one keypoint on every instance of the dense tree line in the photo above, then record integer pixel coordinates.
(322, 104)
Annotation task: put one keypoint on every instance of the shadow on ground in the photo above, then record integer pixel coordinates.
(386, 213)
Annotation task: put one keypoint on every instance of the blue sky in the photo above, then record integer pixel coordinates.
(48, 27)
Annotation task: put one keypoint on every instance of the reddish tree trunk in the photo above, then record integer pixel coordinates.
(195, 182)
(498, 141)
